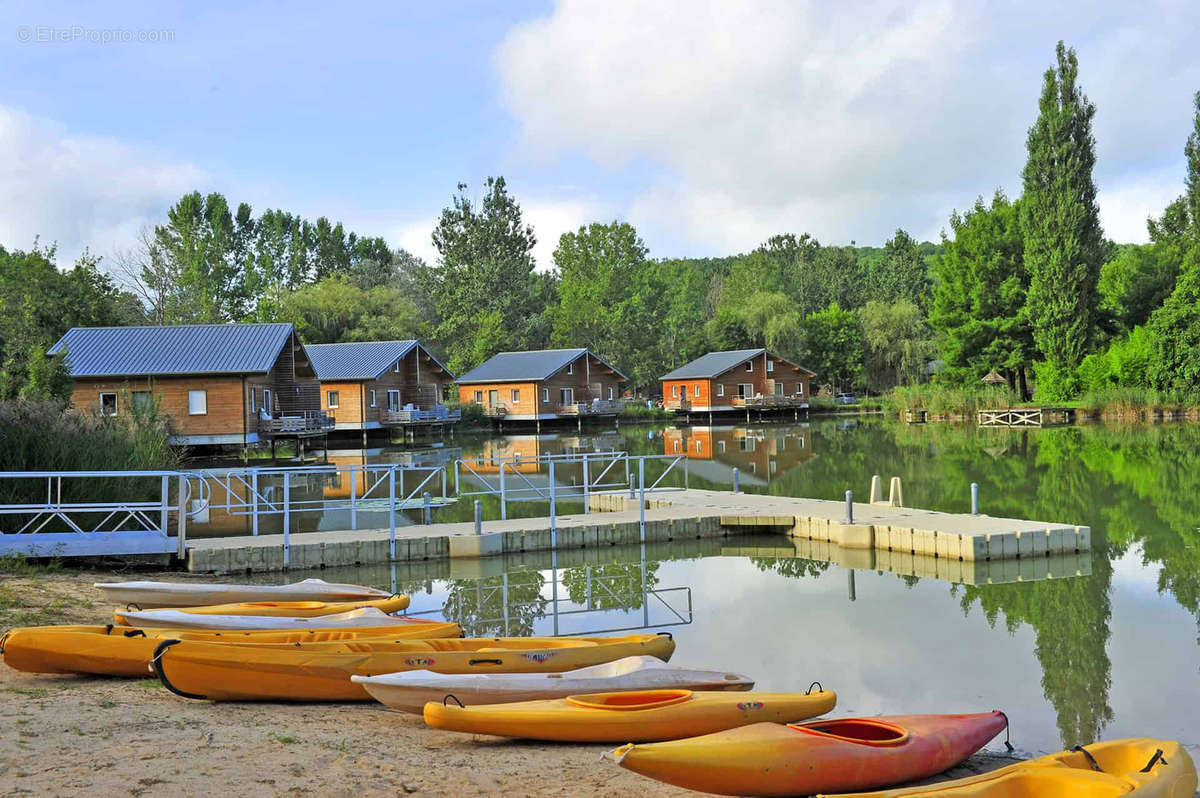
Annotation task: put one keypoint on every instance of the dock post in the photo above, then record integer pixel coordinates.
(974, 498)
(553, 511)
(392, 514)
(478, 517)
(586, 479)
(503, 494)
(850, 580)
(287, 519)
(354, 495)
(182, 533)
(642, 502)
(254, 490)
(849, 507)
(736, 489)
(428, 516)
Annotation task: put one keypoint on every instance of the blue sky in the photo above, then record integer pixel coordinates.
(708, 125)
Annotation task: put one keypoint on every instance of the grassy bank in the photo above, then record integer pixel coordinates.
(947, 400)
(1123, 404)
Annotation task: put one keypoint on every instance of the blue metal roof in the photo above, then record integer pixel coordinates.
(533, 366)
(366, 360)
(182, 349)
(714, 364)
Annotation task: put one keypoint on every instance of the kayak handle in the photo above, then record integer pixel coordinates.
(156, 664)
(817, 685)
(1092, 759)
(667, 635)
(3, 638)
(135, 633)
(1158, 757)
(485, 662)
(452, 695)
(132, 607)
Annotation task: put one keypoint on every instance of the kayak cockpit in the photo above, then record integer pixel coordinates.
(632, 701)
(863, 731)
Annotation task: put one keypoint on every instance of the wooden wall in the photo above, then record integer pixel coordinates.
(226, 414)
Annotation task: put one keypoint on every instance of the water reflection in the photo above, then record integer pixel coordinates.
(1103, 643)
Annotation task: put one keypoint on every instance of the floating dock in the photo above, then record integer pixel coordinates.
(616, 518)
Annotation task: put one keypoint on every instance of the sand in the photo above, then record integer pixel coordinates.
(72, 735)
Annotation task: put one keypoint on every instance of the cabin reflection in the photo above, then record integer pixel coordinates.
(759, 453)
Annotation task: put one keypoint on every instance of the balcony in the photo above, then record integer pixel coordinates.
(307, 423)
(771, 400)
(440, 414)
(596, 407)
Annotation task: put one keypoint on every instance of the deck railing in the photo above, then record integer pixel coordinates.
(305, 422)
(441, 414)
(771, 400)
(596, 407)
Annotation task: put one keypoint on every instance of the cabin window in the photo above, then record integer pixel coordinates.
(770, 366)
(516, 395)
(396, 368)
(698, 444)
(479, 397)
(372, 397)
(779, 389)
(545, 394)
(266, 400)
(332, 398)
(721, 447)
(610, 393)
(696, 390)
(253, 400)
(142, 400)
(394, 400)
(749, 365)
(197, 403)
(108, 404)
(566, 396)
(799, 389)
(746, 444)
(674, 391)
(745, 390)
(570, 368)
(720, 389)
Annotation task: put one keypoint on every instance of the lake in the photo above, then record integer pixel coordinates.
(1107, 647)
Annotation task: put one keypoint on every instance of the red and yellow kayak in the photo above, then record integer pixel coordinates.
(281, 609)
(834, 756)
(322, 671)
(126, 651)
(640, 715)
(1132, 768)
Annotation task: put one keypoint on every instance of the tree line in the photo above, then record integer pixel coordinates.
(1028, 287)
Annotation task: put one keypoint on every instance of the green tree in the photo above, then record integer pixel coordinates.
(901, 273)
(833, 346)
(897, 343)
(979, 305)
(609, 301)
(483, 285)
(1136, 281)
(336, 310)
(1063, 241)
(197, 241)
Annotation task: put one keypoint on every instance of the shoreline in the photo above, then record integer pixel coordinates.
(71, 735)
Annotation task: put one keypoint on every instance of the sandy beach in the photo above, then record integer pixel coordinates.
(73, 735)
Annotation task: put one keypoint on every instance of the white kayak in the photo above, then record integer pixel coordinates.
(409, 691)
(178, 619)
(177, 594)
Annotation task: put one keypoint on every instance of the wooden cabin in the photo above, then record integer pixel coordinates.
(735, 380)
(381, 384)
(219, 383)
(543, 385)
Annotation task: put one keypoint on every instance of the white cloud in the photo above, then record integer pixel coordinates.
(1127, 204)
(80, 191)
(844, 120)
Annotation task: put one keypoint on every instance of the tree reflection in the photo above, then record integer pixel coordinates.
(505, 605)
(613, 586)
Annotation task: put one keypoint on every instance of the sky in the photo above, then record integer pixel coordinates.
(709, 126)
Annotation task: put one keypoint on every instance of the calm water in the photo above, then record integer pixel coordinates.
(1107, 647)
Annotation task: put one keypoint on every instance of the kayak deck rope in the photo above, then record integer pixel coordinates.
(1092, 759)
(817, 685)
(1007, 730)
(450, 696)
(156, 663)
(1158, 757)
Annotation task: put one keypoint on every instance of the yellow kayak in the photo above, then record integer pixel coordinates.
(322, 671)
(1136, 767)
(281, 609)
(126, 651)
(639, 716)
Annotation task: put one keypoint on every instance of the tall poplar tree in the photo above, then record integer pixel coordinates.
(1064, 246)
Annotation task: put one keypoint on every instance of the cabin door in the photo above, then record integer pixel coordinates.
(567, 397)
(745, 390)
(393, 401)
(493, 399)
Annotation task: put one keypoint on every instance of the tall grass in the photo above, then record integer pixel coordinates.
(1130, 402)
(948, 399)
(43, 435)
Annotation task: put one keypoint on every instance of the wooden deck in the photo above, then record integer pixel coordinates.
(439, 415)
(1029, 417)
(308, 424)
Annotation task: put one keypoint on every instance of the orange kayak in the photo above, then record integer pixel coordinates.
(126, 651)
(822, 756)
